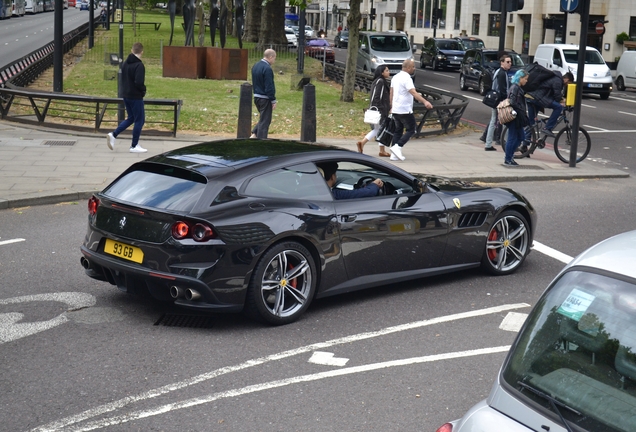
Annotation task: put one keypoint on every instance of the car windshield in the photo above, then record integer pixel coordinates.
(344, 34)
(318, 42)
(491, 59)
(449, 45)
(472, 43)
(158, 186)
(397, 43)
(591, 57)
(579, 346)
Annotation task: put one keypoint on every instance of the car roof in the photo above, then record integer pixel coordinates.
(216, 157)
(616, 254)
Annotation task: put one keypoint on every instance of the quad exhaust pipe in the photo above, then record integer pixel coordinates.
(85, 263)
(189, 294)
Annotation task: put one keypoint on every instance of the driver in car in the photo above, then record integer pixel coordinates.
(329, 172)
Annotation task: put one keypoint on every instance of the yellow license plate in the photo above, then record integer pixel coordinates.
(124, 251)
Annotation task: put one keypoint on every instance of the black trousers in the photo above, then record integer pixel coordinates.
(264, 107)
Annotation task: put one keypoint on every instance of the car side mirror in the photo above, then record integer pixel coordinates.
(363, 47)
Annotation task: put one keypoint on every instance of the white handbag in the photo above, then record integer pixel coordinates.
(372, 116)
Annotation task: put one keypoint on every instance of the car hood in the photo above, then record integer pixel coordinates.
(448, 185)
(456, 53)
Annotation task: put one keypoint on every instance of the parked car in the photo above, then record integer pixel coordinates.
(441, 53)
(388, 48)
(470, 42)
(597, 77)
(626, 71)
(252, 225)
(572, 365)
(342, 39)
(292, 40)
(479, 65)
(84, 6)
(317, 47)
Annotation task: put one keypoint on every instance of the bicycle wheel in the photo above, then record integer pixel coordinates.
(526, 148)
(563, 141)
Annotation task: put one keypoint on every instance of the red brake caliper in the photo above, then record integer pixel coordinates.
(492, 253)
(294, 281)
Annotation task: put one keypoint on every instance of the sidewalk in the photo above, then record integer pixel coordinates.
(41, 165)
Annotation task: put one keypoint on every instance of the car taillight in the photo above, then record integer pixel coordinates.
(198, 232)
(446, 427)
(93, 203)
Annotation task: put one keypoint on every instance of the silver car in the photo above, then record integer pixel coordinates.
(573, 365)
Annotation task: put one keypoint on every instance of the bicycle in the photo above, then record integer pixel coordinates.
(562, 142)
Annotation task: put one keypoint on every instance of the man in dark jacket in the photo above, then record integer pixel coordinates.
(500, 84)
(548, 95)
(264, 93)
(133, 75)
(328, 170)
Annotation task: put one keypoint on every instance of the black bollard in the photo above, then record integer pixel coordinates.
(308, 121)
(244, 129)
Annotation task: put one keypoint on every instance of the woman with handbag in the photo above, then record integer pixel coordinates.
(380, 100)
(516, 95)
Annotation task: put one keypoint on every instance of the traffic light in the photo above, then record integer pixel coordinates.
(511, 5)
(372, 14)
(437, 15)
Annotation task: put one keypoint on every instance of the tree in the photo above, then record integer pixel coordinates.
(272, 24)
(253, 20)
(353, 22)
(133, 5)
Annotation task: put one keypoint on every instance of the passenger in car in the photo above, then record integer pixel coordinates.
(328, 171)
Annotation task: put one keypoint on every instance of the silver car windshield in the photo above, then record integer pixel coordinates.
(578, 346)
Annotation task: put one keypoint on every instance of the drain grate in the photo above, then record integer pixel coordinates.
(59, 143)
(183, 320)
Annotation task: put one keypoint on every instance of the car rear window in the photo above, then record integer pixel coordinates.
(158, 186)
(390, 43)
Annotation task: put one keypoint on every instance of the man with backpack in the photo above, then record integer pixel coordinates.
(500, 84)
(547, 92)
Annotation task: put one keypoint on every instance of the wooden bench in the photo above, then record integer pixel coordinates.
(139, 24)
(79, 108)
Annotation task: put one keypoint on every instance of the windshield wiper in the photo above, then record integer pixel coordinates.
(553, 403)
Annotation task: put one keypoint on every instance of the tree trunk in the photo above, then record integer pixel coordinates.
(253, 21)
(353, 22)
(272, 24)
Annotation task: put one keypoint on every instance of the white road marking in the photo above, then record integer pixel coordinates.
(327, 359)
(112, 406)
(552, 253)
(136, 415)
(588, 106)
(624, 100)
(513, 321)
(627, 113)
(610, 131)
(11, 329)
(598, 128)
(6, 242)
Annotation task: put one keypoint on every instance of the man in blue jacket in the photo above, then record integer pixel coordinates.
(133, 91)
(329, 172)
(264, 93)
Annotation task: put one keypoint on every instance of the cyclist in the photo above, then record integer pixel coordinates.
(549, 95)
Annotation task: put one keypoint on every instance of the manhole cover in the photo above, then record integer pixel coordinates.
(183, 320)
(59, 143)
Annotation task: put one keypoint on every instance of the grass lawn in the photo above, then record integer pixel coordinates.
(211, 106)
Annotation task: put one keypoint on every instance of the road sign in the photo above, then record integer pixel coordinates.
(600, 28)
(569, 5)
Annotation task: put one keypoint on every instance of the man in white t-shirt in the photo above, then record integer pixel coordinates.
(402, 94)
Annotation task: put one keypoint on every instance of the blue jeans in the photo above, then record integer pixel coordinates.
(556, 108)
(491, 128)
(515, 135)
(137, 115)
(403, 121)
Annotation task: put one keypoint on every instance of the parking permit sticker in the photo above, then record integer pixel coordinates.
(576, 304)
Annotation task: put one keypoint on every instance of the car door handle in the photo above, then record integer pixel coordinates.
(348, 218)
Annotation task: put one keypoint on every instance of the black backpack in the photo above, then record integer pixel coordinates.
(538, 74)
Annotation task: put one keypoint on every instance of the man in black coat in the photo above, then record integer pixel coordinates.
(264, 93)
(548, 95)
(133, 91)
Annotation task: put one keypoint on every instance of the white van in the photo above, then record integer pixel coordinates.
(626, 70)
(564, 58)
(378, 48)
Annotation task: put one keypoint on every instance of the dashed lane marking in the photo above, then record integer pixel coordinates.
(6, 242)
(552, 253)
(327, 359)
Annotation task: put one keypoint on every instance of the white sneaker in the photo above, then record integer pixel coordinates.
(138, 149)
(110, 141)
(397, 151)
(393, 158)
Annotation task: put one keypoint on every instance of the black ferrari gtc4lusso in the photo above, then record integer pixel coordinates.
(249, 225)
